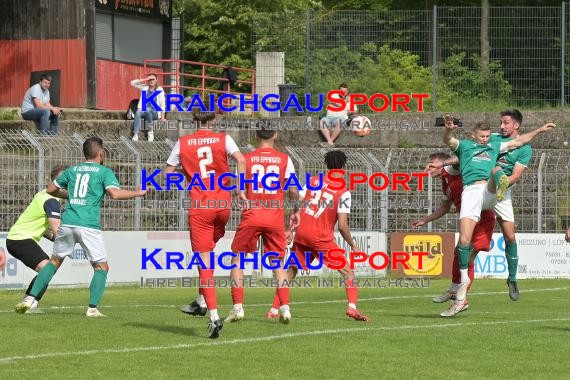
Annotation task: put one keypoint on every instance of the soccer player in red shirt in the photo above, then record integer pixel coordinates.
(452, 186)
(315, 234)
(260, 220)
(201, 154)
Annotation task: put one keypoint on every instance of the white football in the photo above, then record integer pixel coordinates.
(361, 125)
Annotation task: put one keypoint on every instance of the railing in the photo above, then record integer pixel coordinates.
(178, 73)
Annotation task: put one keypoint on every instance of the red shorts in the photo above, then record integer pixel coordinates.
(246, 238)
(206, 228)
(302, 251)
(483, 232)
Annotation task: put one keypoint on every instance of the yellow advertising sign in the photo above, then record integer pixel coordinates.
(433, 263)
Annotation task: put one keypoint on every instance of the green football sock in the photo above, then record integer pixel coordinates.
(464, 254)
(42, 279)
(498, 176)
(512, 260)
(97, 287)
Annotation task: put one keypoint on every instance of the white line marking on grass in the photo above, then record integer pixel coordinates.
(10, 359)
(297, 303)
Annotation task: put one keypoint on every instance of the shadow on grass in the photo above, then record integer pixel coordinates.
(165, 328)
(557, 328)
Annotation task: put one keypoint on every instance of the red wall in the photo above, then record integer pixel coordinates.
(114, 90)
(18, 58)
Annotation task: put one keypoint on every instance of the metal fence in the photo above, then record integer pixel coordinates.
(541, 200)
(466, 58)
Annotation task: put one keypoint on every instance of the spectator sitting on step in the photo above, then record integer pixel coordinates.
(149, 84)
(37, 107)
(336, 118)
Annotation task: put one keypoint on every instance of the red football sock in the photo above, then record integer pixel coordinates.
(276, 301)
(456, 274)
(471, 273)
(351, 292)
(237, 295)
(283, 294)
(208, 292)
(200, 290)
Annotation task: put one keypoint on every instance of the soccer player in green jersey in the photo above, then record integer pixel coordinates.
(40, 219)
(512, 166)
(86, 184)
(477, 158)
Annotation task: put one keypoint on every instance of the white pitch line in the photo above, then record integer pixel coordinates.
(300, 302)
(267, 338)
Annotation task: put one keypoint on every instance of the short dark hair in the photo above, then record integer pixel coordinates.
(514, 113)
(264, 133)
(335, 159)
(45, 76)
(342, 85)
(91, 147)
(439, 156)
(55, 171)
(199, 115)
(482, 126)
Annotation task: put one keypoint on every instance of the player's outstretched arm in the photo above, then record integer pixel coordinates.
(120, 194)
(441, 211)
(448, 138)
(527, 137)
(344, 230)
(55, 191)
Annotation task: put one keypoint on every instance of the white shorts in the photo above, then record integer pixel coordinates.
(503, 209)
(91, 240)
(472, 200)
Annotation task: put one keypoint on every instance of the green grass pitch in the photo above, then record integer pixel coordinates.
(146, 336)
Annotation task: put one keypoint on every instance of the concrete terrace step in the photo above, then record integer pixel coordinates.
(103, 128)
(87, 114)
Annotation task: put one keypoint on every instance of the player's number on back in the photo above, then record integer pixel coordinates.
(81, 185)
(260, 170)
(206, 158)
(320, 200)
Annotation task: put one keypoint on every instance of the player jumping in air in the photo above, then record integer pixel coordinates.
(268, 223)
(315, 234)
(41, 218)
(513, 165)
(477, 158)
(201, 154)
(84, 185)
(452, 187)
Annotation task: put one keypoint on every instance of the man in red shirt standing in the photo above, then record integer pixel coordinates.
(452, 186)
(203, 156)
(264, 221)
(315, 234)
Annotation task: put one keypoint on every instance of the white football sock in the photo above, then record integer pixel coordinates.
(214, 315)
(464, 276)
(274, 311)
(201, 301)
(351, 305)
(453, 287)
(238, 306)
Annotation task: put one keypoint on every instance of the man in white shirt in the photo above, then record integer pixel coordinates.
(150, 85)
(335, 118)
